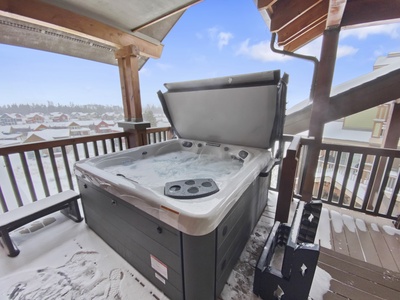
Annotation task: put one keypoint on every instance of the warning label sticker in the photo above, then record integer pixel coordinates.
(159, 277)
(159, 266)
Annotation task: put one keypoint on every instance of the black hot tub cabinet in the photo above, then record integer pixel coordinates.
(188, 246)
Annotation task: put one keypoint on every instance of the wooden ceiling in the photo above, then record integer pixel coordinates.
(297, 22)
(90, 29)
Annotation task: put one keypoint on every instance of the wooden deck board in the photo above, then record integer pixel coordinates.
(367, 245)
(339, 242)
(352, 239)
(393, 243)
(354, 279)
(347, 264)
(384, 253)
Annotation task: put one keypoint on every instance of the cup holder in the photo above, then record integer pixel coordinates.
(190, 188)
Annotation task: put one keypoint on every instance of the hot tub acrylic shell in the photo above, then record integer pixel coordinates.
(197, 216)
(187, 248)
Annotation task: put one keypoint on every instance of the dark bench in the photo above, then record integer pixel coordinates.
(286, 267)
(65, 201)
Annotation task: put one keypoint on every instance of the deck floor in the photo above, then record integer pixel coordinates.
(359, 257)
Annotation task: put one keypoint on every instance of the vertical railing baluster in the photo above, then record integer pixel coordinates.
(322, 179)
(76, 153)
(158, 136)
(383, 185)
(334, 175)
(393, 199)
(346, 178)
(28, 176)
(67, 169)
(55, 169)
(121, 146)
(11, 176)
(112, 145)
(3, 203)
(104, 146)
(358, 180)
(95, 148)
(85, 147)
(370, 182)
(42, 173)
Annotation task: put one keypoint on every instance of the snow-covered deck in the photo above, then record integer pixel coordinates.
(61, 259)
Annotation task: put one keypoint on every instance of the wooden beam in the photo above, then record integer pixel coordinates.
(43, 14)
(379, 91)
(335, 13)
(167, 15)
(306, 37)
(286, 11)
(304, 23)
(298, 121)
(370, 11)
(264, 4)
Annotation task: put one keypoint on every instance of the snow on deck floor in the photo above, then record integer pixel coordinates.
(67, 260)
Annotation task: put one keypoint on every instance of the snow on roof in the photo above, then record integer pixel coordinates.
(22, 126)
(9, 136)
(363, 79)
(334, 130)
(50, 134)
(31, 115)
(9, 142)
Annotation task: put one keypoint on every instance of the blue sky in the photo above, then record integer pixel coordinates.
(212, 39)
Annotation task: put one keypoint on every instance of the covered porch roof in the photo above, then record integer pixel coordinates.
(89, 29)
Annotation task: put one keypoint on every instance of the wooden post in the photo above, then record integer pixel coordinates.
(287, 180)
(129, 75)
(320, 99)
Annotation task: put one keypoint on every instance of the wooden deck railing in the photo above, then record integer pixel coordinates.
(357, 178)
(33, 171)
(158, 134)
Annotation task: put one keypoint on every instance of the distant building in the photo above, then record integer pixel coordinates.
(59, 117)
(112, 116)
(47, 135)
(77, 130)
(34, 118)
(8, 119)
(103, 126)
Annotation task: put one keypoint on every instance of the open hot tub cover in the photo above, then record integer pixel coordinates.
(243, 110)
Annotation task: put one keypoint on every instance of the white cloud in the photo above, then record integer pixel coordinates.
(311, 49)
(391, 30)
(314, 49)
(345, 50)
(213, 32)
(260, 51)
(163, 66)
(223, 39)
(145, 72)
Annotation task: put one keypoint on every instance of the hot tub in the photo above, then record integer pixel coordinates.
(181, 211)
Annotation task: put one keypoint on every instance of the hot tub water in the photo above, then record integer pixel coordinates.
(155, 171)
